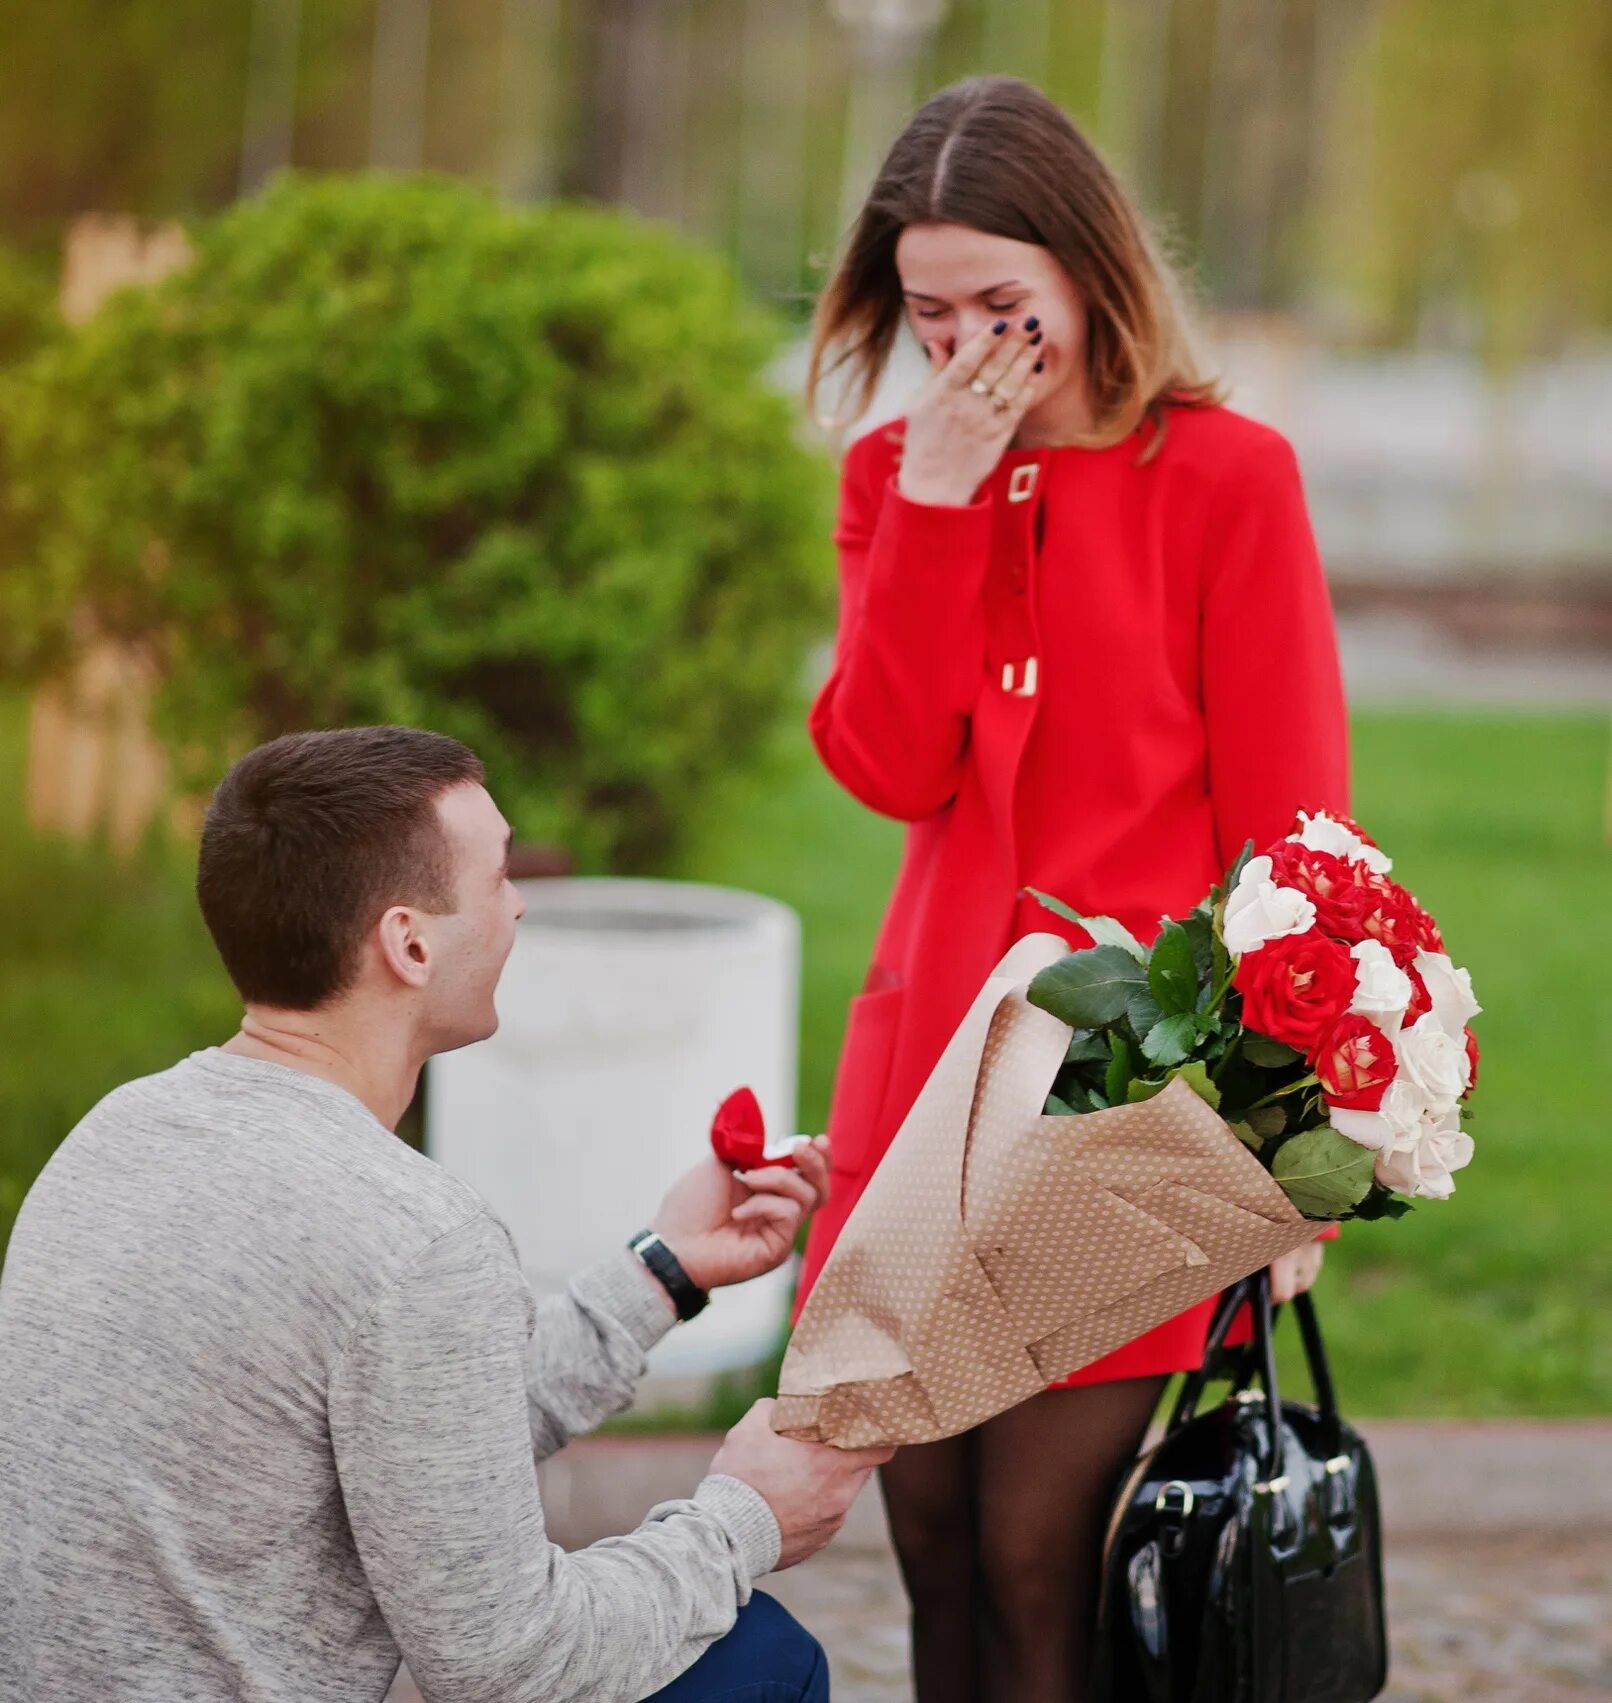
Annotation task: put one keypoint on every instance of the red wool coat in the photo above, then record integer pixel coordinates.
(1099, 680)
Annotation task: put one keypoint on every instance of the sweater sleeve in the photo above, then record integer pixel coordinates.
(892, 722)
(429, 1429)
(587, 1350)
(1277, 725)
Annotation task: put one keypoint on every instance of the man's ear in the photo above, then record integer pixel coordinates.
(403, 947)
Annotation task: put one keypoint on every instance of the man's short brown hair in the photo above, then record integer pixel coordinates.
(309, 839)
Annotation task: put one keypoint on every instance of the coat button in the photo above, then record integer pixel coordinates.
(1019, 679)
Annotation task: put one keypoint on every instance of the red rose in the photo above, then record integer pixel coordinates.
(1425, 930)
(1472, 1058)
(739, 1133)
(1355, 1062)
(1391, 916)
(1295, 988)
(1368, 880)
(1421, 1001)
(1328, 882)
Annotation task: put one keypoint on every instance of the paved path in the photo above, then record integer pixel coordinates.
(1490, 1620)
(1499, 1559)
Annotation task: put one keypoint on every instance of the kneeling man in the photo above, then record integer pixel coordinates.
(273, 1389)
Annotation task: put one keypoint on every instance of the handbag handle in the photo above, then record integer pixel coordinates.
(1255, 1291)
(1192, 1386)
(1265, 1344)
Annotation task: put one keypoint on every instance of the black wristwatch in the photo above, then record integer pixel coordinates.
(687, 1296)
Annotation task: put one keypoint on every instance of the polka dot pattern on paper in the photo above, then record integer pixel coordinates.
(996, 1250)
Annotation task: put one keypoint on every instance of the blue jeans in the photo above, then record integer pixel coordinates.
(768, 1657)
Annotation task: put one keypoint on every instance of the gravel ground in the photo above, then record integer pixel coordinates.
(1482, 1620)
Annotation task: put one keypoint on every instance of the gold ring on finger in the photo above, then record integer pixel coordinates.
(999, 403)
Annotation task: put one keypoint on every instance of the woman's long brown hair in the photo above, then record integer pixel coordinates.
(995, 154)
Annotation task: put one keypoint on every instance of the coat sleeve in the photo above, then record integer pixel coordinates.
(1278, 733)
(892, 722)
(1273, 689)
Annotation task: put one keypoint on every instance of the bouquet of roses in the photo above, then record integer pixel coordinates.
(1309, 999)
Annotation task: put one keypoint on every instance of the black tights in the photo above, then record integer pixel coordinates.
(999, 1534)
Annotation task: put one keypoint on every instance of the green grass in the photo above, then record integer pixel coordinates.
(1498, 1302)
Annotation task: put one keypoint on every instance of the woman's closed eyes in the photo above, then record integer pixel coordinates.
(990, 307)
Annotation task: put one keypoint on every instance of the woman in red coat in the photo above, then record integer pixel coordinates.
(1085, 646)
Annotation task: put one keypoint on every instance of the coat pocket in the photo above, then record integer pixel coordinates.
(863, 1076)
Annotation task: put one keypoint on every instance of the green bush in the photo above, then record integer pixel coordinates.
(390, 451)
(28, 323)
(28, 316)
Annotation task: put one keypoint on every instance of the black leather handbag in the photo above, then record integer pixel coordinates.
(1243, 1562)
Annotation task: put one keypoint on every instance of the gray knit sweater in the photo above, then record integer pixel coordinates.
(272, 1394)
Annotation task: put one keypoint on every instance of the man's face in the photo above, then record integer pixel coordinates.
(469, 947)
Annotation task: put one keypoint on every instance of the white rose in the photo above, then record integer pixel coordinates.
(1321, 833)
(1259, 910)
(1433, 1062)
(1382, 989)
(1396, 1122)
(1426, 1166)
(1450, 989)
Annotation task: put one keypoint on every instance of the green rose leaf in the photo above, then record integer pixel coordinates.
(1248, 1137)
(1086, 1048)
(1170, 1040)
(1196, 1077)
(1143, 1012)
(1268, 1054)
(1120, 1071)
(1199, 929)
(1325, 1174)
(1172, 973)
(1056, 1108)
(1105, 931)
(1267, 1121)
(1090, 989)
(1381, 1204)
(1140, 1091)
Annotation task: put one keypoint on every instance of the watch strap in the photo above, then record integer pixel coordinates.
(688, 1298)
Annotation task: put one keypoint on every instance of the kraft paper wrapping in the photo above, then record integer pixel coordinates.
(996, 1250)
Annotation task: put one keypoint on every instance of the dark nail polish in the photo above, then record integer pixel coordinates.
(1036, 339)
(1038, 366)
(1000, 327)
(1031, 323)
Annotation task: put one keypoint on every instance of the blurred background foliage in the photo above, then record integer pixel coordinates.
(390, 451)
(1393, 169)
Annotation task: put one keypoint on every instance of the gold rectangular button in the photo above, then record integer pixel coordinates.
(1020, 681)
